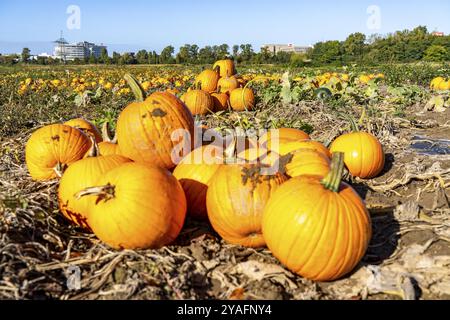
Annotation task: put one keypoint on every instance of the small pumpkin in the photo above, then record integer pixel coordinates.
(145, 128)
(194, 173)
(242, 99)
(236, 197)
(318, 228)
(272, 137)
(290, 146)
(80, 175)
(51, 149)
(226, 67)
(207, 80)
(136, 206)
(199, 102)
(87, 127)
(364, 155)
(227, 84)
(220, 101)
(306, 162)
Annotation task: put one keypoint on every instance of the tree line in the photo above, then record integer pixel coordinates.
(398, 47)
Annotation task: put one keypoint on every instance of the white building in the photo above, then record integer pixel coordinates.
(69, 52)
(275, 48)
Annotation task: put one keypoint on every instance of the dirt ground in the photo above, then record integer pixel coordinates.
(42, 255)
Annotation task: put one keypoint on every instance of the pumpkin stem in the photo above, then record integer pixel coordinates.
(103, 192)
(353, 125)
(217, 69)
(59, 169)
(94, 151)
(333, 179)
(136, 88)
(106, 134)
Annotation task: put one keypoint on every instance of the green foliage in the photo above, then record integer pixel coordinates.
(436, 53)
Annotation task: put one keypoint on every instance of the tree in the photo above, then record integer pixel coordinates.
(166, 56)
(354, 45)
(235, 51)
(328, 52)
(183, 55)
(115, 57)
(142, 57)
(436, 53)
(92, 59)
(247, 52)
(104, 57)
(25, 57)
(206, 55)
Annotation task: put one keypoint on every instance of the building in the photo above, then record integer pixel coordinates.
(82, 50)
(438, 34)
(275, 48)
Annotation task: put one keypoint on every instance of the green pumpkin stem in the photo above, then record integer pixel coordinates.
(333, 179)
(136, 88)
(353, 125)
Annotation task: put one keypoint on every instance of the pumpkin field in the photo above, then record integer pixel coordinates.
(225, 181)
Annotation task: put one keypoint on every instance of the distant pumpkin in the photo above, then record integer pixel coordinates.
(199, 102)
(207, 80)
(226, 67)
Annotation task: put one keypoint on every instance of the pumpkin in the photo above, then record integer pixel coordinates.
(80, 175)
(226, 67)
(194, 173)
(145, 128)
(207, 80)
(435, 83)
(173, 91)
(269, 139)
(199, 102)
(305, 162)
(290, 146)
(220, 101)
(136, 206)
(242, 99)
(227, 84)
(87, 127)
(51, 149)
(236, 197)
(318, 228)
(364, 156)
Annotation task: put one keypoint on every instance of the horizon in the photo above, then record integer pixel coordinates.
(121, 29)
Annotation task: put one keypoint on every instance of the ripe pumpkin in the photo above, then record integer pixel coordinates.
(80, 175)
(227, 84)
(318, 228)
(194, 173)
(226, 67)
(199, 102)
(51, 149)
(235, 200)
(290, 146)
(268, 140)
(364, 155)
(242, 99)
(220, 101)
(306, 162)
(87, 127)
(136, 206)
(207, 80)
(144, 129)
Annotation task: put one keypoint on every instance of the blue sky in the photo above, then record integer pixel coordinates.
(155, 24)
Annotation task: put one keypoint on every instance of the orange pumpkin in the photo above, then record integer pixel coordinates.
(145, 129)
(220, 101)
(207, 80)
(87, 127)
(227, 84)
(235, 200)
(242, 99)
(226, 67)
(290, 146)
(306, 162)
(194, 173)
(318, 228)
(199, 102)
(80, 175)
(364, 155)
(136, 206)
(271, 137)
(51, 149)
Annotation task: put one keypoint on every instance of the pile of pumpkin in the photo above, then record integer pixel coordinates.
(219, 89)
(440, 84)
(284, 193)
